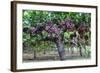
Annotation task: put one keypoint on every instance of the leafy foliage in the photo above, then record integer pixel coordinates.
(59, 26)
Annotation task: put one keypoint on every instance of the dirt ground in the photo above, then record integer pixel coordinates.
(51, 56)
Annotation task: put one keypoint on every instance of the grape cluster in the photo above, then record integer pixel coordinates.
(36, 30)
(69, 25)
(66, 25)
(51, 29)
(81, 30)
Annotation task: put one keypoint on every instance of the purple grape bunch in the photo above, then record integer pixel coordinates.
(51, 29)
(81, 30)
(69, 25)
